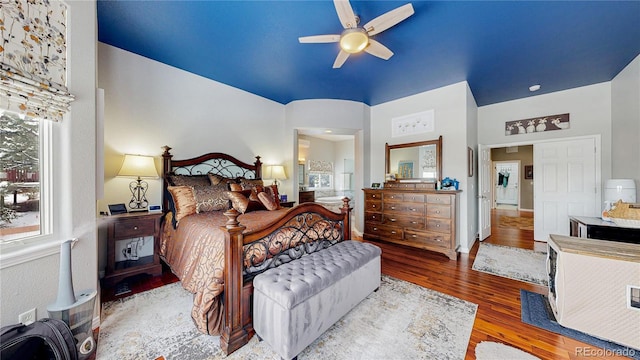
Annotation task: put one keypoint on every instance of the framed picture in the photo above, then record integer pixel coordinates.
(405, 169)
(470, 161)
(528, 171)
(375, 185)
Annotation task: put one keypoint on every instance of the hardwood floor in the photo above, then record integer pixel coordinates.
(498, 299)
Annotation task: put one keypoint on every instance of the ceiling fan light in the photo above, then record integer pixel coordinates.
(354, 40)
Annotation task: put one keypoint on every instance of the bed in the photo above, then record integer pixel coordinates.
(216, 253)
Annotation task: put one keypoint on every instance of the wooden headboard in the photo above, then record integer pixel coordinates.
(212, 163)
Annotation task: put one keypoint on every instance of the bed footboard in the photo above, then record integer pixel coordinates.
(305, 228)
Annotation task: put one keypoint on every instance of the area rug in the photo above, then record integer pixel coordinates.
(518, 222)
(488, 350)
(536, 311)
(399, 321)
(513, 263)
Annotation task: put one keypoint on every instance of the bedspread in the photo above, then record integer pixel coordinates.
(195, 253)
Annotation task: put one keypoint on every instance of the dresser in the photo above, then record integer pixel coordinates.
(412, 215)
(306, 196)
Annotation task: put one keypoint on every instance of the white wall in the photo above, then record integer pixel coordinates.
(625, 124)
(451, 107)
(589, 109)
(472, 225)
(149, 104)
(34, 284)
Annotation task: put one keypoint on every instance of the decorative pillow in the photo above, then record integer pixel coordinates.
(235, 187)
(250, 183)
(272, 190)
(268, 201)
(211, 197)
(188, 180)
(184, 201)
(219, 179)
(240, 201)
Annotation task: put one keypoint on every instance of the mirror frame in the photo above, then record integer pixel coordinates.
(437, 143)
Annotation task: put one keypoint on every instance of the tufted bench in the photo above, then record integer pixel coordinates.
(294, 303)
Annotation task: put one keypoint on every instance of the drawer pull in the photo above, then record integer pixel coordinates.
(392, 220)
(438, 225)
(373, 206)
(412, 209)
(414, 222)
(414, 236)
(135, 228)
(375, 229)
(374, 196)
(393, 232)
(437, 211)
(438, 239)
(393, 208)
(374, 217)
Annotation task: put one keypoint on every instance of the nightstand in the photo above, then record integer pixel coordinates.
(287, 204)
(127, 229)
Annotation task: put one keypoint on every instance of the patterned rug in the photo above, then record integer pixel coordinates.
(399, 321)
(513, 263)
(517, 222)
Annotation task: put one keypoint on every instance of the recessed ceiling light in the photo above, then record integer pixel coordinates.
(328, 131)
(534, 87)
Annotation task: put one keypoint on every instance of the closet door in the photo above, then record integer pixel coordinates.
(564, 184)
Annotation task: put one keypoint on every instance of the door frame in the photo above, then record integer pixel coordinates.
(598, 154)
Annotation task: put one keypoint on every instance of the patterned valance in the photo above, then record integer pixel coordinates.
(33, 58)
(320, 166)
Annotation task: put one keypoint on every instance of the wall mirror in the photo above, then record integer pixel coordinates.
(415, 162)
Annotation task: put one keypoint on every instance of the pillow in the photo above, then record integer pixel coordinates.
(184, 201)
(216, 179)
(250, 183)
(240, 201)
(188, 180)
(211, 197)
(272, 190)
(235, 187)
(268, 201)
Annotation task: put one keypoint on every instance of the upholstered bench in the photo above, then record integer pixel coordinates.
(294, 303)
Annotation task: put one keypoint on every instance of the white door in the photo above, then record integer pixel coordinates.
(564, 183)
(506, 179)
(484, 193)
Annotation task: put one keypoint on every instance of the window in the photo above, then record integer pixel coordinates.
(320, 174)
(23, 178)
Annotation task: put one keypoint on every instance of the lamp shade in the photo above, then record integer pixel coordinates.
(138, 165)
(275, 172)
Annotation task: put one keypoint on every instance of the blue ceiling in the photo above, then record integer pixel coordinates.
(500, 48)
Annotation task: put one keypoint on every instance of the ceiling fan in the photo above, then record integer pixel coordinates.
(355, 39)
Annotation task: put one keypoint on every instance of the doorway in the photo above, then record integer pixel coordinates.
(506, 180)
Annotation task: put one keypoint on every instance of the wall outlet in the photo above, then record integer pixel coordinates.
(27, 317)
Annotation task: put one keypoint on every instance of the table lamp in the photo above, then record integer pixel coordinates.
(275, 172)
(138, 166)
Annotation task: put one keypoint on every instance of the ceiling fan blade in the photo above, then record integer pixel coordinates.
(340, 59)
(319, 39)
(345, 14)
(388, 19)
(379, 50)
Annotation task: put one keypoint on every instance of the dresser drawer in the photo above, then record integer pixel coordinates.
(406, 209)
(373, 205)
(438, 199)
(130, 228)
(413, 222)
(439, 225)
(373, 217)
(372, 195)
(393, 196)
(439, 211)
(384, 231)
(417, 198)
(428, 238)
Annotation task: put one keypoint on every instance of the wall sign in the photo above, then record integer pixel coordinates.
(413, 124)
(539, 124)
